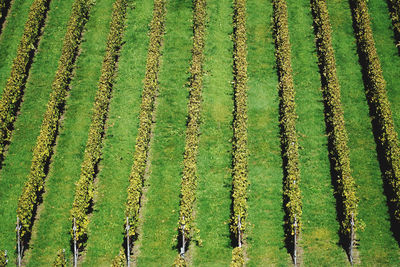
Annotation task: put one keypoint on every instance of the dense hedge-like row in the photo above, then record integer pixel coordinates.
(4, 4)
(120, 259)
(60, 260)
(240, 150)
(150, 89)
(337, 135)
(3, 259)
(84, 187)
(237, 257)
(375, 85)
(12, 93)
(394, 7)
(289, 144)
(48, 132)
(189, 176)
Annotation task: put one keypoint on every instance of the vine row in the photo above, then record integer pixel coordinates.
(334, 118)
(60, 260)
(382, 120)
(4, 7)
(287, 120)
(149, 94)
(189, 175)
(394, 8)
(240, 149)
(3, 258)
(43, 150)
(84, 187)
(13, 92)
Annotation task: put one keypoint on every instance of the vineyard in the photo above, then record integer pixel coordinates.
(199, 133)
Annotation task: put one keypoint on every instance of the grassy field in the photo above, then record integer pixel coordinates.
(156, 245)
(18, 161)
(214, 159)
(106, 236)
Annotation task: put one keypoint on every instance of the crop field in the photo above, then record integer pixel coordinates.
(199, 133)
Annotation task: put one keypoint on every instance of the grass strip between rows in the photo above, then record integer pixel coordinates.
(382, 120)
(394, 9)
(189, 174)
(239, 147)
(335, 124)
(43, 150)
(287, 108)
(149, 94)
(84, 191)
(13, 92)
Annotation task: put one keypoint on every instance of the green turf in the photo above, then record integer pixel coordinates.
(156, 245)
(10, 37)
(18, 161)
(53, 225)
(265, 236)
(388, 54)
(105, 236)
(376, 244)
(160, 213)
(319, 239)
(214, 158)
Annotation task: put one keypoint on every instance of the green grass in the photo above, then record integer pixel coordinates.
(10, 37)
(18, 161)
(319, 239)
(161, 212)
(53, 225)
(376, 244)
(105, 236)
(214, 158)
(266, 234)
(382, 28)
